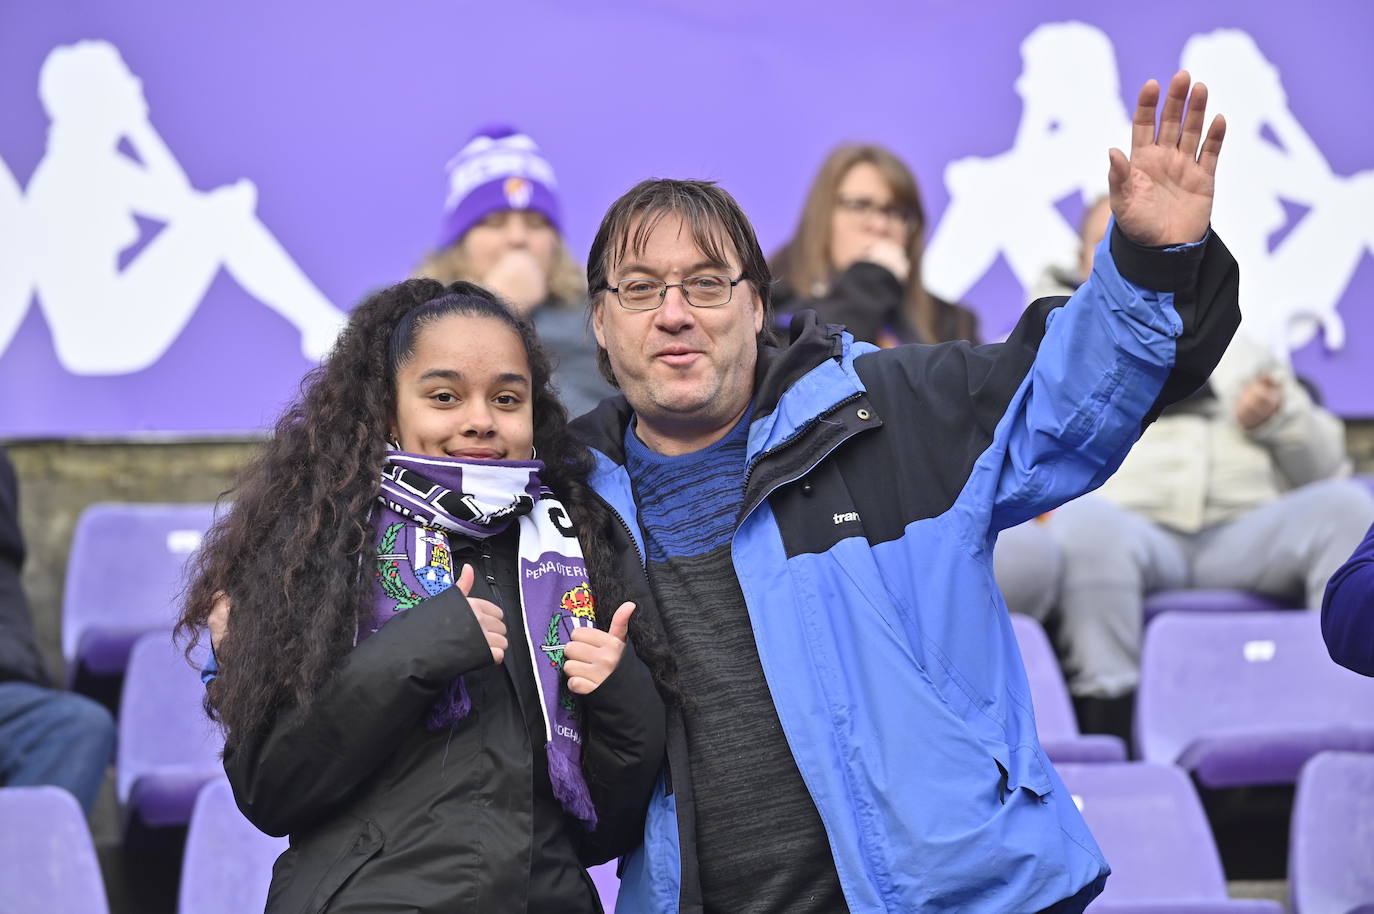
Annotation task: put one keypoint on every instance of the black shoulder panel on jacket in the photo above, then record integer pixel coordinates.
(938, 407)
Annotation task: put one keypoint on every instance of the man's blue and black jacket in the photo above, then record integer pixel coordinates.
(877, 483)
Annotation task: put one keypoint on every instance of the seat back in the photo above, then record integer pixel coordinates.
(124, 576)
(47, 858)
(1331, 858)
(227, 866)
(1257, 679)
(1054, 717)
(1150, 825)
(168, 748)
(1213, 600)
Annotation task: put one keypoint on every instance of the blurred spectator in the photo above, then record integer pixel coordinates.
(856, 260)
(46, 736)
(1065, 280)
(1238, 486)
(501, 230)
(1348, 610)
(855, 257)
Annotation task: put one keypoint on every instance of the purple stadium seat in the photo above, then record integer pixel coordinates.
(1151, 827)
(607, 884)
(1210, 601)
(168, 749)
(124, 575)
(1246, 698)
(227, 866)
(1331, 864)
(1054, 717)
(47, 859)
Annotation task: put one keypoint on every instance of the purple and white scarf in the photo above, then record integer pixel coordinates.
(423, 501)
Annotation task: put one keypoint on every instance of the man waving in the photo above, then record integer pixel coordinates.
(811, 528)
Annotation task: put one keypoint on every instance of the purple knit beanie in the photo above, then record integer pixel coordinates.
(499, 168)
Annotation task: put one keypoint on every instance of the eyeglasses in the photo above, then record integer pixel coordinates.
(700, 292)
(863, 207)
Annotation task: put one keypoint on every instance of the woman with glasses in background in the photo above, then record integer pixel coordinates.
(855, 257)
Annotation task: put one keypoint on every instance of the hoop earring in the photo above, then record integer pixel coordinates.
(395, 445)
(534, 454)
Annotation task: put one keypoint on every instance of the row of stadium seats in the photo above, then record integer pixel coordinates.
(1238, 699)
(1233, 691)
(1146, 816)
(1150, 824)
(52, 866)
(48, 861)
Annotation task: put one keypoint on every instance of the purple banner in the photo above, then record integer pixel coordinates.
(192, 197)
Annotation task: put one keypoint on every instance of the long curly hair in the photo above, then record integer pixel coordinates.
(292, 554)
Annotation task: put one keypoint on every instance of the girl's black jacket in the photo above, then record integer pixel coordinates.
(387, 816)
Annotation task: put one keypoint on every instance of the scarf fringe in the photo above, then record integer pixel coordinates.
(451, 707)
(570, 787)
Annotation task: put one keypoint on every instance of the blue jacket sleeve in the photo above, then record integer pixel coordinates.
(1145, 330)
(1348, 610)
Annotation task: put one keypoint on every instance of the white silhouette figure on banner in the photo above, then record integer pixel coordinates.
(1006, 204)
(15, 285)
(81, 204)
(1292, 290)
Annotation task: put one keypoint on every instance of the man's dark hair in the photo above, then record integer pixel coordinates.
(717, 224)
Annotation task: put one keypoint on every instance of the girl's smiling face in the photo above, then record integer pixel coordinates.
(466, 391)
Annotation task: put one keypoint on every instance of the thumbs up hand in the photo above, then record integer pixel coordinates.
(592, 655)
(488, 614)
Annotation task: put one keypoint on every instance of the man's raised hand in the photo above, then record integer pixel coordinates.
(1162, 194)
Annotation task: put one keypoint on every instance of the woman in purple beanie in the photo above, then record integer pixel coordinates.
(502, 229)
(425, 679)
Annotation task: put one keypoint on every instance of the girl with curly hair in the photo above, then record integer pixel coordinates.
(421, 682)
